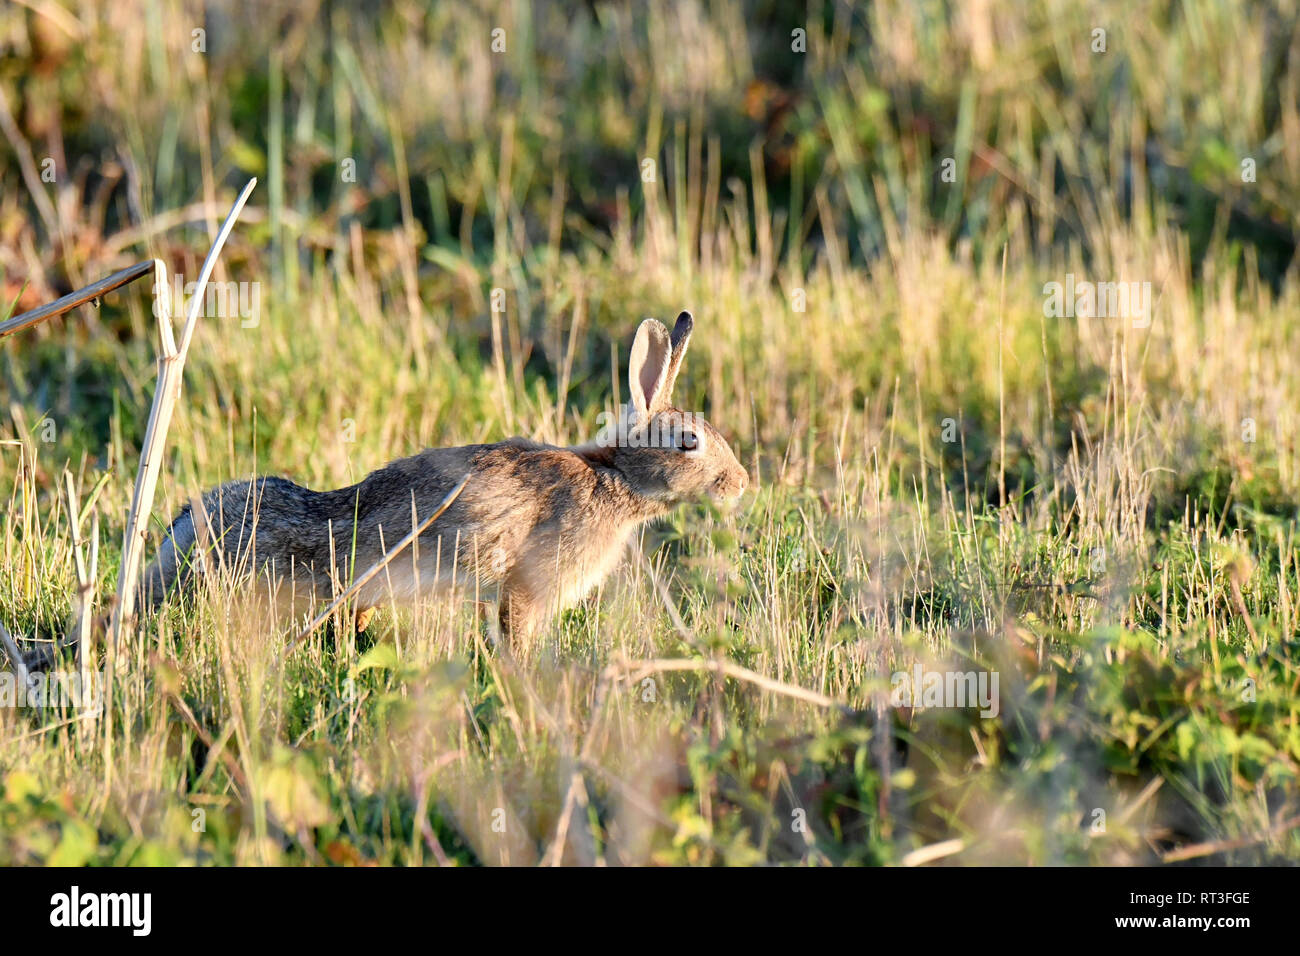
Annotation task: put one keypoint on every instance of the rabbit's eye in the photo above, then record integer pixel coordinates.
(687, 441)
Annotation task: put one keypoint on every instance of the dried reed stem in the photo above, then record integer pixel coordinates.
(171, 367)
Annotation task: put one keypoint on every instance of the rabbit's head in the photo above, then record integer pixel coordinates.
(668, 455)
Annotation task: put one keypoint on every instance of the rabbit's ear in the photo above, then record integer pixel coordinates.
(681, 340)
(647, 370)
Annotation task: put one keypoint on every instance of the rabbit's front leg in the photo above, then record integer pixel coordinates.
(519, 613)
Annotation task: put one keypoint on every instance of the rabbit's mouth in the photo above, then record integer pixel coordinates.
(726, 494)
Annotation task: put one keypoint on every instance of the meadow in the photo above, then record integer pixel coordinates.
(463, 212)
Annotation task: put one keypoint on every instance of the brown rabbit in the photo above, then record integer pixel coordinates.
(546, 524)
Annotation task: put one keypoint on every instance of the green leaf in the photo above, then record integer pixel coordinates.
(382, 656)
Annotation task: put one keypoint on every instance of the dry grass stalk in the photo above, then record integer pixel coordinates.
(171, 367)
(81, 296)
(378, 566)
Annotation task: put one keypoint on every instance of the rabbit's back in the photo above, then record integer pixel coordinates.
(526, 505)
(523, 499)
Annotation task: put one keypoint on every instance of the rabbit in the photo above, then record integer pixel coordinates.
(545, 524)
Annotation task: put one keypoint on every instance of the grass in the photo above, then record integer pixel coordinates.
(1103, 514)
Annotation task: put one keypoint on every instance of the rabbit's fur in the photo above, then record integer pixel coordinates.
(545, 524)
